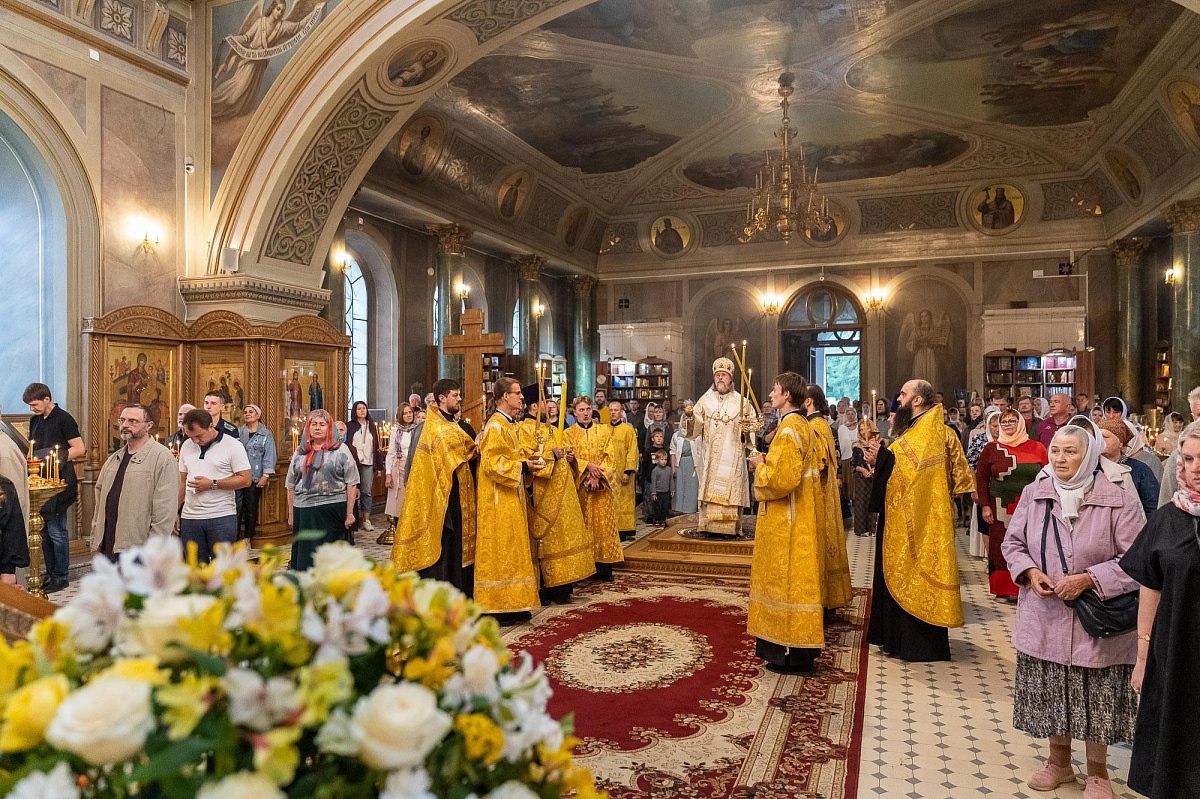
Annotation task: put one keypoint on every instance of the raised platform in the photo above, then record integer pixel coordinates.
(674, 551)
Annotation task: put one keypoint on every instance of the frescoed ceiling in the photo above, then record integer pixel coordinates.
(630, 104)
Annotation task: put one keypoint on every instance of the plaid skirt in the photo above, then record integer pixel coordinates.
(1085, 704)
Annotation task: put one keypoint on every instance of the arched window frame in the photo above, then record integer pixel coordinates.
(356, 325)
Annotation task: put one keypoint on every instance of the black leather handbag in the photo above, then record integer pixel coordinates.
(1101, 618)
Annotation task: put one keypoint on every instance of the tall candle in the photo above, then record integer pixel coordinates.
(562, 411)
(31, 443)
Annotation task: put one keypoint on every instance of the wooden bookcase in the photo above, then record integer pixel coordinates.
(652, 380)
(1162, 375)
(999, 371)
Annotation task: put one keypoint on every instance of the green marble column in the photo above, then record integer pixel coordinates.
(528, 269)
(583, 350)
(1184, 218)
(448, 273)
(1131, 353)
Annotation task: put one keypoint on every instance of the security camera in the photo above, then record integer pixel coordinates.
(189, 165)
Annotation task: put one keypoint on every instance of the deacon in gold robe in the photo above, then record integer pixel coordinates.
(786, 615)
(625, 458)
(837, 590)
(506, 583)
(594, 466)
(562, 541)
(436, 532)
(916, 594)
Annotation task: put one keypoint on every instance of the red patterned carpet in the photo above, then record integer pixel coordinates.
(670, 700)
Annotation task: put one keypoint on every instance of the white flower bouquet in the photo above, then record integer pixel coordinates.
(244, 680)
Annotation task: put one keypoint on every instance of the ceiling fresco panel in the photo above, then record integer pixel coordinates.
(733, 33)
(841, 145)
(1018, 62)
(595, 118)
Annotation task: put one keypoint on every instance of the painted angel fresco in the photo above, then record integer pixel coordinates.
(926, 339)
(721, 333)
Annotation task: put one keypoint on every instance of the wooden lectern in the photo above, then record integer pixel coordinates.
(472, 345)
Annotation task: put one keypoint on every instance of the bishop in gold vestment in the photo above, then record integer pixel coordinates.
(916, 595)
(786, 576)
(829, 505)
(625, 458)
(563, 542)
(505, 577)
(437, 521)
(591, 443)
(715, 427)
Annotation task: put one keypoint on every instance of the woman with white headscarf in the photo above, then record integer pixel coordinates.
(1165, 559)
(1067, 536)
(1139, 450)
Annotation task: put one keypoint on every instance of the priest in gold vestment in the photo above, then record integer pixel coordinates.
(829, 503)
(916, 596)
(563, 543)
(506, 580)
(595, 469)
(436, 531)
(786, 614)
(625, 458)
(715, 425)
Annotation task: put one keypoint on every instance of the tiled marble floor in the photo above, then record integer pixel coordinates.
(932, 730)
(944, 730)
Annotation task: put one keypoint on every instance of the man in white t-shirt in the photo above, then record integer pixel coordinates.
(212, 466)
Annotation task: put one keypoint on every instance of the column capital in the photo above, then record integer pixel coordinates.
(1128, 252)
(529, 266)
(452, 238)
(1184, 215)
(583, 286)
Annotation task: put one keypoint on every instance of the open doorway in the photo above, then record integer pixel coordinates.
(821, 339)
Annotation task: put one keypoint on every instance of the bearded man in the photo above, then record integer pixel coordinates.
(917, 597)
(715, 426)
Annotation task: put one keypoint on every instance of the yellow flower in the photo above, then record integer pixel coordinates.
(186, 702)
(13, 660)
(322, 687)
(340, 582)
(205, 633)
(49, 638)
(580, 780)
(137, 669)
(280, 613)
(276, 756)
(29, 712)
(484, 740)
(432, 672)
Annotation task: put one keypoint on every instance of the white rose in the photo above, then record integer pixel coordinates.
(104, 722)
(58, 784)
(412, 783)
(479, 667)
(158, 625)
(243, 785)
(339, 557)
(512, 790)
(398, 725)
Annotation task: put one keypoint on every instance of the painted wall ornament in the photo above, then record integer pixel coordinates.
(1184, 99)
(924, 338)
(1125, 173)
(836, 224)
(513, 194)
(997, 207)
(576, 222)
(416, 64)
(419, 144)
(670, 235)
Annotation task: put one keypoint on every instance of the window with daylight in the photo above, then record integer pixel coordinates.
(516, 328)
(356, 329)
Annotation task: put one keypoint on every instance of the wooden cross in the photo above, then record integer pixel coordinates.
(472, 345)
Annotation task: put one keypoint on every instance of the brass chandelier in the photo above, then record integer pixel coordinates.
(786, 198)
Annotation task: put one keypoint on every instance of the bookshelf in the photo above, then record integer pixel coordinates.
(652, 380)
(1059, 367)
(999, 371)
(1029, 377)
(1162, 375)
(621, 374)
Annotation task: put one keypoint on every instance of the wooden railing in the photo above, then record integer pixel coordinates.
(19, 611)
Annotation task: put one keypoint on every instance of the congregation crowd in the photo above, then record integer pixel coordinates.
(1082, 522)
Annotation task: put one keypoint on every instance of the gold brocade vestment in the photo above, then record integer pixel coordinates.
(786, 575)
(829, 516)
(593, 444)
(443, 453)
(564, 544)
(625, 457)
(920, 563)
(505, 577)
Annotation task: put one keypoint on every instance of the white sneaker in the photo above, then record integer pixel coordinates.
(370, 528)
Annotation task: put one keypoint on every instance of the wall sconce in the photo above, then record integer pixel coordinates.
(771, 305)
(875, 300)
(1172, 275)
(539, 310)
(462, 290)
(149, 240)
(338, 261)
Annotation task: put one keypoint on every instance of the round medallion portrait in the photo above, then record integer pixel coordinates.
(628, 657)
(514, 191)
(416, 64)
(1125, 172)
(670, 235)
(830, 226)
(997, 207)
(418, 146)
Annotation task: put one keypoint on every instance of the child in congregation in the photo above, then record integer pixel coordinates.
(660, 489)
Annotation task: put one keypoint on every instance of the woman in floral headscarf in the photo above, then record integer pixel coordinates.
(322, 484)
(1165, 560)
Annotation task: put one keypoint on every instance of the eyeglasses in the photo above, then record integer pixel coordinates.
(1008, 423)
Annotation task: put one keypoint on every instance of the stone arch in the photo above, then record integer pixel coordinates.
(962, 287)
(41, 116)
(374, 257)
(697, 320)
(330, 114)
